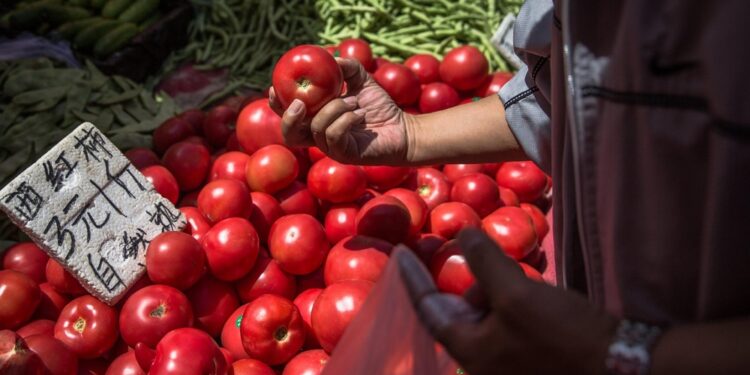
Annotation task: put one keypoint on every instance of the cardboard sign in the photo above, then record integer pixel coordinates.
(91, 210)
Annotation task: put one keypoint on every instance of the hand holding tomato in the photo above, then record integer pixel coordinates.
(366, 126)
(524, 317)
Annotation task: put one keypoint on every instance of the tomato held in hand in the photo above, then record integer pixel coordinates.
(266, 277)
(163, 181)
(222, 199)
(524, 178)
(230, 165)
(384, 217)
(175, 259)
(152, 312)
(305, 302)
(335, 182)
(307, 73)
(26, 258)
(87, 326)
(437, 96)
(426, 67)
(298, 242)
(258, 126)
(447, 219)
(335, 308)
(450, 270)
(464, 68)
(340, 223)
(212, 301)
(359, 50)
(56, 358)
(188, 351)
(310, 362)
(189, 163)
(271, 169)
(383, 177)
(478, 191)
(357, 258)
(272, 329)
(231, 247)
(399, 82)
(19, 297)
(513, 230)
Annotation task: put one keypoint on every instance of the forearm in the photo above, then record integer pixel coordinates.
(476, 132)
(706, 348)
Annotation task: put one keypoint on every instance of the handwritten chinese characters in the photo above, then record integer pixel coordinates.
(91, 210)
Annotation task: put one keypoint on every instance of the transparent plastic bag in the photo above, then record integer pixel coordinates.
(386, 337)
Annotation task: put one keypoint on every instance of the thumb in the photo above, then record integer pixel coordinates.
(293, 127)
(499, 277)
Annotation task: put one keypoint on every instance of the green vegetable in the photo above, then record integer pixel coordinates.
(113, 8)
(115, 39)
(69, 30)
(139, 11)
(91, 34)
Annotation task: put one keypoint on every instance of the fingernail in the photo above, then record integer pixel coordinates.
(350, 100)
(360, 111)
(296, 107)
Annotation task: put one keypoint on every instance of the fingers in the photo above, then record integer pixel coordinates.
(330, 112)
(340, 143)
(295, 132)
(501, 279)
(273, 102)
(417, 279)
(354, 73)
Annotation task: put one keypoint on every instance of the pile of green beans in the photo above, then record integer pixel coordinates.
(397, 29)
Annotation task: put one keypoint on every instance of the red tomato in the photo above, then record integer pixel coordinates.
(152, 312)
(231, 248)
(540, 220)
(272, 329)
(513, 230)
(233, 144)
(478, 191)
(219, 124)
(195, 118)
(19, 295)
(312, 280)
(508, 197)
(197, 225)
(450, 270)
(61, 279)
(142, 157)
(258, 126)
(339, 222)
(189, 163)
(310, 362)
(222, 199)
(447, 219)
(271, 169)
(266, 210)
(531, 272)
(432, 186)
(524, 178)
(426, 245)
(335, 308)
(170, 132)
(490, 169)
(37, 327)
(213, 301)
(359, 50)
(335, 182)
(230, 165)
(426, 67)
(464, 68)
(315, 154)
(266, 277)
(384, 217)
(307, 73)
(305, 302)
(415, 204)
(50, 303)
(298, 242)
(56, 358)
(357, 258)
(27, 258)
(188, 351)
(399, 82)
(453, 172)
(493, 84)
(175, 259)
(437, 96)
(125, 364)
(380, 61)
(383, 177)
(87, 326)
(196, 140)
(250, 366)
(230, 334)
(164, 182)
(15, 356)
(96, 366)
(297, 199)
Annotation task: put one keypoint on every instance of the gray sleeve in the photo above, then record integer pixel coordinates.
(526, 96)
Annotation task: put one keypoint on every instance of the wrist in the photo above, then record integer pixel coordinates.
(412, 128)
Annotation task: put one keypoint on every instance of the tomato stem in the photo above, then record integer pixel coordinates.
(281, 334)
(158, 312)
(304, 83)
(79, 325)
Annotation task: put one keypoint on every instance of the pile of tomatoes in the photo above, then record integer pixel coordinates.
(282, 246)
